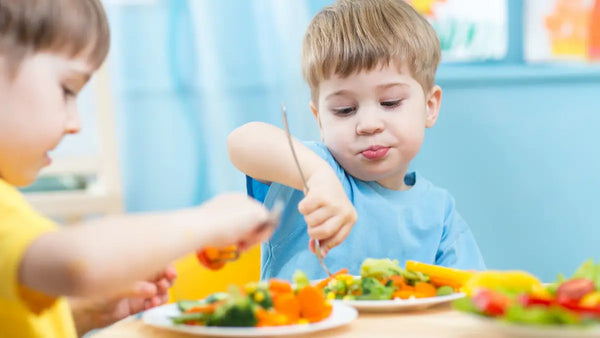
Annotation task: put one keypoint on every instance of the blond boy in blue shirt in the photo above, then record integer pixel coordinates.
(370, 65)
(114, 266)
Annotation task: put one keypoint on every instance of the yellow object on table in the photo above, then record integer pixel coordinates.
(441, 275)
(194, 281)
(512, 281)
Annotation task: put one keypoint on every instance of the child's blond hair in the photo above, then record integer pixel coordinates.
(355, 35)
(69, 27)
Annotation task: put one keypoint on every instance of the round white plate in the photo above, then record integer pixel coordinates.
(524, 330)
(161, 317)
(397, 305)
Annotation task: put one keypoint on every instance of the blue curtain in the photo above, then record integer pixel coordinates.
(185, 74)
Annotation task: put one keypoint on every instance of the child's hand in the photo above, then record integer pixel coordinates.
(92, 313)
(235, 219)
(327, 210)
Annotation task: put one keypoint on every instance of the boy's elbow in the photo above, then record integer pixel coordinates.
(240, 140)
(83, 279)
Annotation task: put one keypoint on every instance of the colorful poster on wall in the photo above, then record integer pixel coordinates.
(469, 30)
(562, 30)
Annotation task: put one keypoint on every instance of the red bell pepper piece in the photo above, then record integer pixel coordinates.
(490, 302)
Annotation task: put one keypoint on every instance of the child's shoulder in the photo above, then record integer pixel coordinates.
(429, 190)
(10, 197)
(15, 211)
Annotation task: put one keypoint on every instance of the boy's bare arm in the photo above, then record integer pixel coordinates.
(262, 151)
(105, 256)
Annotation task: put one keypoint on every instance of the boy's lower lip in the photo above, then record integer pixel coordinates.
(375, 154)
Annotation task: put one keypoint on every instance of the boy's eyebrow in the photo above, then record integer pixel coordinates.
(379, 87)
(393, 84)
(78, 78)
(338, 93)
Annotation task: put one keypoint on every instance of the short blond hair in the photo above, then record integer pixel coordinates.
(355, 35)
(69, 27)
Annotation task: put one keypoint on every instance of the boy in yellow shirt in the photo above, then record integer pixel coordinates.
(111, 267)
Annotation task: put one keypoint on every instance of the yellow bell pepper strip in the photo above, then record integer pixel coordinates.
(440, 275)
(513, 282)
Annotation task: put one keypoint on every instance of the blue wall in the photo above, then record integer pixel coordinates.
(516, 144)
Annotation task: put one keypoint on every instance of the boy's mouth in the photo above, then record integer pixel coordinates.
(375, 152)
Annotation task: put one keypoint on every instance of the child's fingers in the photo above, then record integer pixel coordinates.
(170, 273)
(311, 246)
(336, 239)
(309, 204)
(317, 217)
(326, 229)
(163, 286)
(141, 289)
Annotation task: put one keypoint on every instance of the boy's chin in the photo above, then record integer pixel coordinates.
(22, 180)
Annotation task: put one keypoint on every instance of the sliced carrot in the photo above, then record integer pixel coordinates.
(208, 308)
(287, 304)
(279, 285)
(397, 281)
(209, 257)
(270, 318)
(425, 289)
(326, 281)
(313, 305)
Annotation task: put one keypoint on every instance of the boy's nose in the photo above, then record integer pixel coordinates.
(368, 123)
(73, 123)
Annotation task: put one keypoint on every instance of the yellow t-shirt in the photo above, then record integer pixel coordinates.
(23, 312)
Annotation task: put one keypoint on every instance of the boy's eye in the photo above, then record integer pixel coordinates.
(393, 103)
(344, 111)
(68, 93)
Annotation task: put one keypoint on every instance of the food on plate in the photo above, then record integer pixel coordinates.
(519, 297)
(273, 303)
(384, 279)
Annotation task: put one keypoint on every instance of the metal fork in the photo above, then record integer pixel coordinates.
(289, 137)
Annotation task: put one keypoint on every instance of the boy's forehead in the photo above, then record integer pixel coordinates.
(398, 73)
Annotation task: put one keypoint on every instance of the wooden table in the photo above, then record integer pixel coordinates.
(439, 321)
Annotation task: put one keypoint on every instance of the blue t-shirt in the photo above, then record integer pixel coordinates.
(419, 224)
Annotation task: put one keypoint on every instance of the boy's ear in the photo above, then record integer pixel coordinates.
(434, 101)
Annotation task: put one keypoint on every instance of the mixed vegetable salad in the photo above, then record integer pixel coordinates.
(384, 279)
(278, 302)
(273, 303)
(519, 297)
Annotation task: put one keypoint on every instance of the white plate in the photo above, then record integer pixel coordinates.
(397, 305)
(161, 317)
(524, 330)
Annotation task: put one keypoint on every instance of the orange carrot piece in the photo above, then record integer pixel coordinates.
(208, 308)
(326, 281)
(313, 305)
(426, 289)
(279, 285)
(270, 318)
(287, 304)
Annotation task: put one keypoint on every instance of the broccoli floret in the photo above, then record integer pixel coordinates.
(380, 268)
(374, 290)
(262, 297)
(414, 277)
(216, 297)
(300, 279)
(238, 311)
